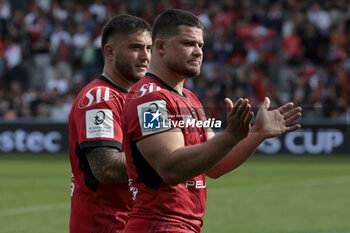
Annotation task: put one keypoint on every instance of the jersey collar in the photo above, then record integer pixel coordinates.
(165, 84)
(103, 78)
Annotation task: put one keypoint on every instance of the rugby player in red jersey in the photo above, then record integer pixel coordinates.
(100, 195)
(168, 145)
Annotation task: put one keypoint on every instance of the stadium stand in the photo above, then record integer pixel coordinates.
(288, 50)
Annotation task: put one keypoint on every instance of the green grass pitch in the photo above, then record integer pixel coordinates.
(267, 194)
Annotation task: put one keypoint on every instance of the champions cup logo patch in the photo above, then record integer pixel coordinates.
(99, 117)
(99, 123)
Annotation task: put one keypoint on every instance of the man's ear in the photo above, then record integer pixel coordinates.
(108, 51)
(159, 45)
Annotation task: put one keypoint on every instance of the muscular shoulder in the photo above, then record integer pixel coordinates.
(146, 105)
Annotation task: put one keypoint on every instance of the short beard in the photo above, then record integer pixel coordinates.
(183, 71)
(190, 73)
(126, 70)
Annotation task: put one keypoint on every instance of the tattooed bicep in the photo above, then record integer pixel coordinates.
(107, 164)
(99, 156)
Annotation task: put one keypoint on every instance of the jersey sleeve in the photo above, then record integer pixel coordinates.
(100, 125)
(149, 115)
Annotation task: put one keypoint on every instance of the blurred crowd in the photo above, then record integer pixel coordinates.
(285, 49)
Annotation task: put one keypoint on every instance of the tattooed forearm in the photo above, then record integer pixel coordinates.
(107, 164)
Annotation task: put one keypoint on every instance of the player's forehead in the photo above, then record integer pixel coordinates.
(190, 33)
(138, 37)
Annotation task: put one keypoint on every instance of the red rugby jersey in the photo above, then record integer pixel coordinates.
(94, 121)
(153, 107)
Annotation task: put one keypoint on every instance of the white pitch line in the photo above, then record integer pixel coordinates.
(31, 209)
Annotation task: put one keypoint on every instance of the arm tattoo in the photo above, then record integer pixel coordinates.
(107, 164)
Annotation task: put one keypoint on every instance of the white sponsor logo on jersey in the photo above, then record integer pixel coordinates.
(198, 184)
(146, 89)
(97, 95)
(99, 123)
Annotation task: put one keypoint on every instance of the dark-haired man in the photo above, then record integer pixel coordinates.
(168, 145)
(99, 193)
